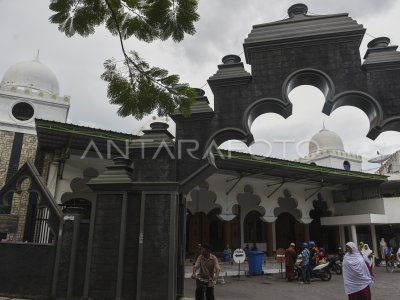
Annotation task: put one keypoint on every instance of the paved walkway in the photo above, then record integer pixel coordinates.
(232, 269)
(272, 287)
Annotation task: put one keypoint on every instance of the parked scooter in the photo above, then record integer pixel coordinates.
(335, 265)
(320, 271)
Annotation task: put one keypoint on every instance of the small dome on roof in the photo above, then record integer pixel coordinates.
(325, 140)
(33, 75)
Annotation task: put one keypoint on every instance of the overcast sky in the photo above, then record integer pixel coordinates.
(223, 26)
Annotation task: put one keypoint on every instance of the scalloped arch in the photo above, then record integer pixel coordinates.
(226, 134)
(262, 106)
(308, 76)
(368, 104)
(389, 124)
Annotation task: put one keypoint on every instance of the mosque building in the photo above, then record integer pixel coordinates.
(326, 149)
(323, 196)
(28, 90)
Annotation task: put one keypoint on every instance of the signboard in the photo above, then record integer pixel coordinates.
(280, 255)
(8, 223)
(239, 256)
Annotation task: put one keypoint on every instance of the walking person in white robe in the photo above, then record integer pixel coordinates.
(356, 276)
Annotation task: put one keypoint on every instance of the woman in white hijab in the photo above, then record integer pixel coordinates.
(356, 276)
(368, 257)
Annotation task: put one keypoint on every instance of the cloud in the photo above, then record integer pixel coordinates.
(223, 26)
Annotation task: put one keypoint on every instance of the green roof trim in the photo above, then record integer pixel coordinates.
(263, 160)
(84, 131)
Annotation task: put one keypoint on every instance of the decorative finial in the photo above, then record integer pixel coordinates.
(37, 56)
(297, 9)
(380, 42)
(199, 92)
(231, 59)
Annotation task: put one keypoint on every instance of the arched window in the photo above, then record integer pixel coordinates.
(346, 165)
(254, 229)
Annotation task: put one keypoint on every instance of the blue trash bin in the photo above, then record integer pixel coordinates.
(255, 260)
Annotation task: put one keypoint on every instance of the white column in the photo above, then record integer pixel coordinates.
(342, 236)
(374, 242)
(274, 236)
(354, 234)
(53, 178)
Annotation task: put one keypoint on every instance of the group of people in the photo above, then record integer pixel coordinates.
(357, 266)
(311, 256)
(388, 250)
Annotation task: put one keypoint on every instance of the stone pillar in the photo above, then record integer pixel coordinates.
(135, 240)
(354, 234)
(69, 278)
(270, 238)
(374, 240)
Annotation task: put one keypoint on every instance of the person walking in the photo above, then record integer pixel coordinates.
(206, 271)
(369, 258)
(290, 260)
(305, 267)
(356, 276)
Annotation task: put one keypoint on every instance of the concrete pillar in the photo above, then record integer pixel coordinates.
(306, 233)
(227, 233)
(273, 236)
(270, 239)
(53, 177)
(374, 240)
(342, 236)
(354, 234)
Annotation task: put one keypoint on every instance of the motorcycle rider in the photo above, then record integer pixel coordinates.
(321, 256)
(313, 254)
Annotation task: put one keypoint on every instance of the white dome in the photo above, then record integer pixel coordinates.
(325, 140)
(33, 75)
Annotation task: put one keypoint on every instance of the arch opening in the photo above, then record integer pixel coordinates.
(363, 101)
(312, 77)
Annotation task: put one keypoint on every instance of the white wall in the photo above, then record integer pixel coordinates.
(55, 110)
(392, 209)
(371, 206)
(73, 168)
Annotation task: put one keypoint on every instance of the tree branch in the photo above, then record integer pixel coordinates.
(129, 60)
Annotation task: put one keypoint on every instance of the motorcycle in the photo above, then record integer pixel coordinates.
(335, 265)
(320, 271)
(392, 261)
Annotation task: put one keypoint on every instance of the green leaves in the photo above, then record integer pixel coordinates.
(137, 88)
(147, 20)
(145, 89)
